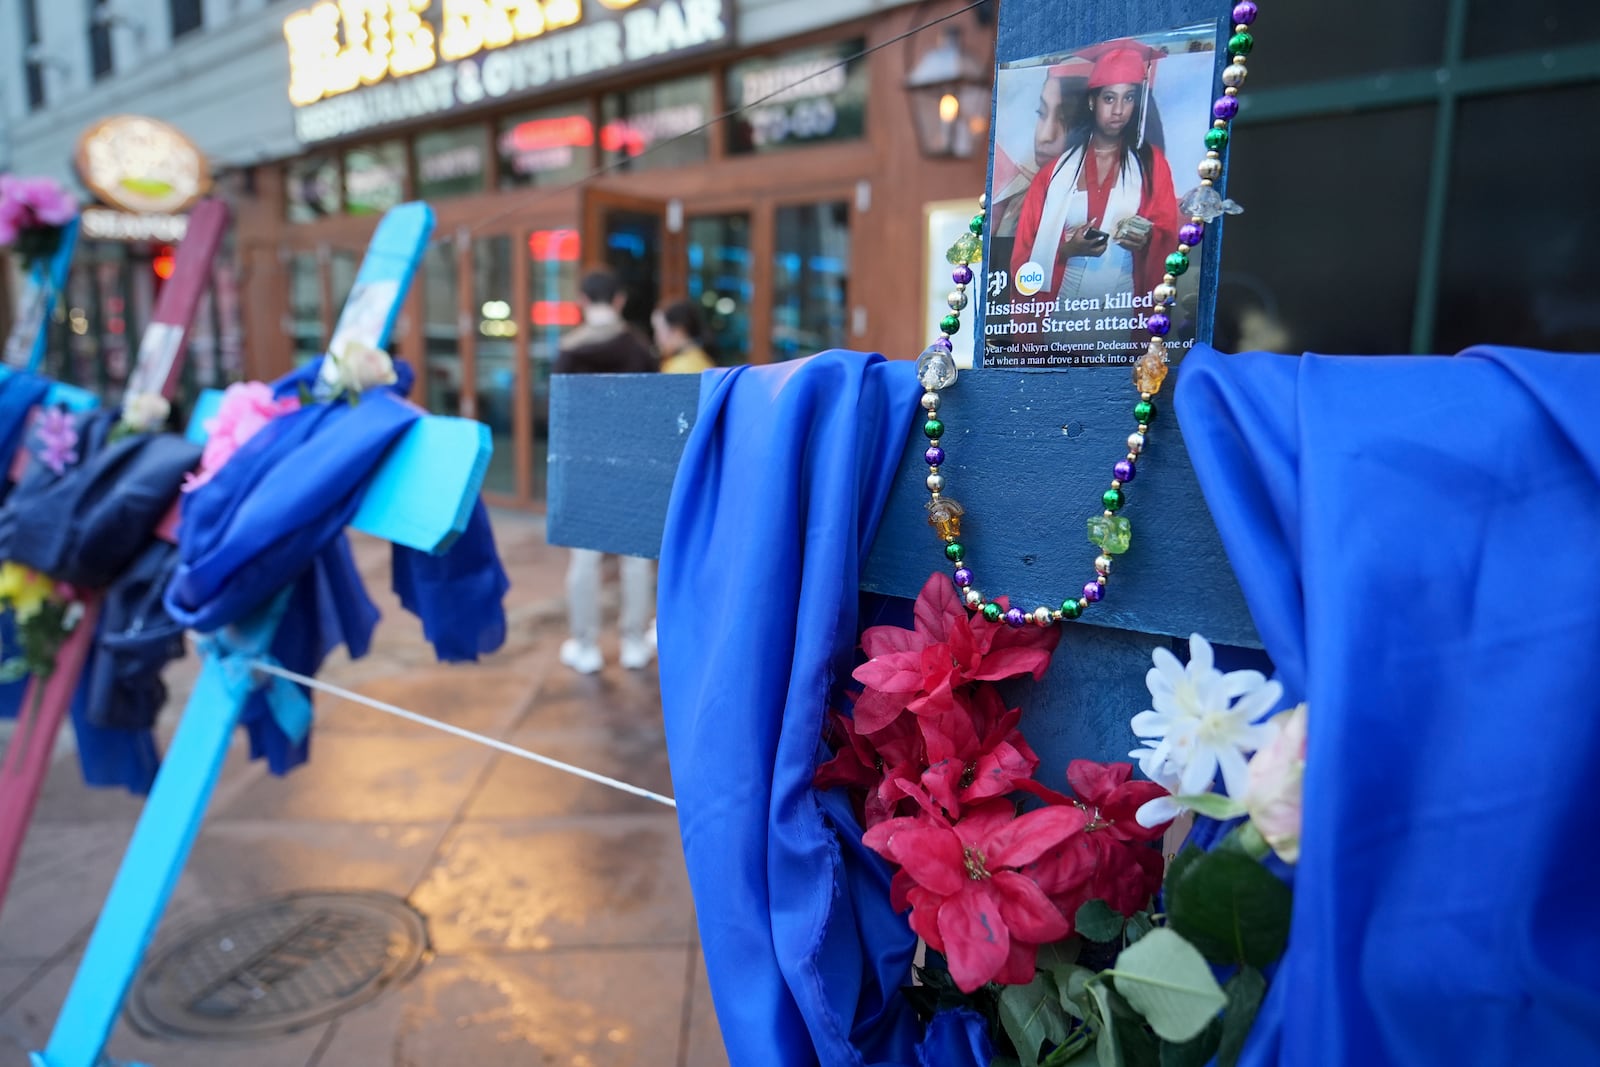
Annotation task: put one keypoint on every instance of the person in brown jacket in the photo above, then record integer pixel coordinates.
(606, 344)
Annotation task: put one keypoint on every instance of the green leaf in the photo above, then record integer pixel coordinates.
(1245, 991)
(1212, 805)
(1073, 982)
(1096, 921)
(1195, 1053)
(1167, 981)
(1139, 924)
(1063, 953)
(13, 670)
(1108, 1050)
(1004, 1061)
(1122, 1040)
(1032, 1015)
(1228, 906)
(1077, 1052)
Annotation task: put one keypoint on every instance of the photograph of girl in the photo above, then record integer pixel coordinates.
(1085, 215)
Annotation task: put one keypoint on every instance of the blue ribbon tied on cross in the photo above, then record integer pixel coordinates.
(288, 704)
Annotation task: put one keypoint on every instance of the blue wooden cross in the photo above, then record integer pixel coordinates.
(1030, 453)
(422, 497)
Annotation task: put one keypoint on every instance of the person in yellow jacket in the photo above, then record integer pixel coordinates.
(679, 331)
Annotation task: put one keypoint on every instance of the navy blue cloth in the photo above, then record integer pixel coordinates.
(775, 504)
(273, 518)
(1415, 537)
(137, 640)
(87, 523)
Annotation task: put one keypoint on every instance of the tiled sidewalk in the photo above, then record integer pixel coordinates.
(559, 916)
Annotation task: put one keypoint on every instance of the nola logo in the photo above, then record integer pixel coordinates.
(1030, 278)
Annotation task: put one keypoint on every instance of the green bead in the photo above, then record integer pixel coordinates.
(967, 250)
(1112, 499)
(991, 612)
(955, 552)
(950, 323)
(1177, 263)
(933, 429)
(1240, 44)
(1144, 411)
(1216, 139)
(1071, 609)
(1112, 533)
(976, 225)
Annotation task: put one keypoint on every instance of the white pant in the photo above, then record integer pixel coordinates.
(583, 595)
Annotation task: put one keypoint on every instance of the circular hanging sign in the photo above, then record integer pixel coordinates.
(142, 165)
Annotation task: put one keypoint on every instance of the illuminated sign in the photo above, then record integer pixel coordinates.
(359, 64)
(100, 224)
(142, 165)
(807, 97)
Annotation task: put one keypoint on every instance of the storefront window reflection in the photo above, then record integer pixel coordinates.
(451, 162)
(810, 279)
(553, 257)
(496, 346)
(305, 307)
(313, 188)
(661, 120)
(441, 289)
(374, 178)
(551, 146)
(719, 281)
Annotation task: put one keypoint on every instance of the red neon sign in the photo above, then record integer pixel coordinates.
(559, 246)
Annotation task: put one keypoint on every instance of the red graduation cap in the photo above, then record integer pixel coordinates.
(1124, 62)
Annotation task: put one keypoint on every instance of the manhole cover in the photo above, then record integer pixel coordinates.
(279, 966)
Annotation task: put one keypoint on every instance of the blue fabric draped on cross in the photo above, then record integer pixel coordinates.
(774, 506)
(1415, 537)
(275, 513)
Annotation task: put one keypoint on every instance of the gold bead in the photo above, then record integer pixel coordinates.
(1116, 483)
(1169, 279)
(1132, 457)
(1183, 248)
(1205, 181)
(1213, 155)
(1145, 396)
(1083, 603)
(1144, 428)
(1109, 514)
(1231, 90)
(1242, 27)
(1102, 579)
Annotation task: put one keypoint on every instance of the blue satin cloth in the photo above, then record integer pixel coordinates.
(1416, 538)
(774, 506)
(274, 516)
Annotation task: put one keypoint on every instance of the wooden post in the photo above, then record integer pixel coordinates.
(1030, 453)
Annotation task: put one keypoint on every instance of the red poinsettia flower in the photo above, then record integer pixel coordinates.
(873, 764)
(967, 898)
(919, 670)
(995, 761)
(1114, 859)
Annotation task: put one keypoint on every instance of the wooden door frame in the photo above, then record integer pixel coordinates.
(673, 282)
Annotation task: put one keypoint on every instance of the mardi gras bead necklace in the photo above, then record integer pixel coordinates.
(936, 370)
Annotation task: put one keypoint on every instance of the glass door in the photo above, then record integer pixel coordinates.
(440, 387)
(643, 241)
(554, 265)
(495, 372)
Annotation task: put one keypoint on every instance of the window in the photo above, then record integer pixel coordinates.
(312, 188)
(719, 281)
(100, 61)
(451, 163)
(374, 178)
(810, 279)
(497, 354)
(1434, 253)
(550, 146)
(33, 72)
(807, 98)
(305, 307)
(553, 257)
(441, 347)
(187, 16)
(658, 125)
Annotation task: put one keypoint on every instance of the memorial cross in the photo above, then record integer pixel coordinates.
(1030, 451)
(422, 497)
(45, 703)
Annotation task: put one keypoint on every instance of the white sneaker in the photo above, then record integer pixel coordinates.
(581, 656)
(637, 652)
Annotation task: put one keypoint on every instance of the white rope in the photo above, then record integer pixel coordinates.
(423, 720)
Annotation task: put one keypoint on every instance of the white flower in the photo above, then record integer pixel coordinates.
(358, 368)
(1203, 720)
(145, 412)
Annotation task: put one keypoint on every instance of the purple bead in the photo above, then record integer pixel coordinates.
(934, 456)
(1226, 107)
(1092, 592)
(1245, 11)
(943, 343)
(1191, 233)
(962, 275)
(1124, 470)
(963, 577)
(1016, 617)
(1158, 324)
